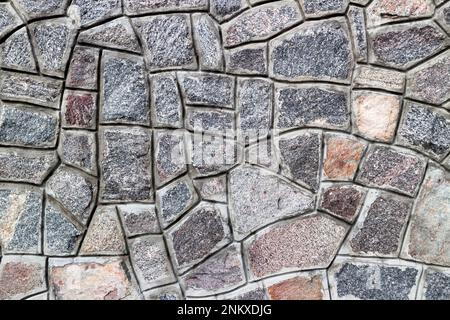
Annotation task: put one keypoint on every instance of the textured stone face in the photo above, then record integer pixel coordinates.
(385, 11)
(170, 292)
(208, 43)
(318, 8)
(83, 68)
(253, 291)
(170, 157)
(79, 110)
(378, 78)
(167, 109)
(94, 11)
(139, 219)
(443, 16)
(41, 8)
(249, 59)
(358, 28)
(301, 286)
(150, 6)
(225, 9)
(16, 52)
(9, 19)
(79, 149)
(210, 121)
(436, 284)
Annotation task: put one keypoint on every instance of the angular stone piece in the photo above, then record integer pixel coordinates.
(319, 8)
(392, 169)
(9, 19)
(357, 22)
(20, 219)
(83, 71)
(224, 9)
(32, 9)
(167, 109)
(170, 157)
(90, 278)
(385, 11)
(28, 126)
(125, 164)
(300, 286)
(313, 106)
(208, 42)
(27, 88)
(258, 197)
(16, 52)
(212, 189)
(79, 110)
(167, 41)
(253, 291)
(435, 284)
(428, 238)
(138, 219)
(378, 78)
(74, 190)
(260, 23)
(175, 199)
(90, 12)
(425, 129)
(308, 242)
(150, 261)
(201, 232)
(133, 7)
(21, 276)
(210, 121)
(316, 50)
(249, 59)
(170, 292)
(363, 279)
(223, 271)
(124, 92)
(442, 16)
(79, 149)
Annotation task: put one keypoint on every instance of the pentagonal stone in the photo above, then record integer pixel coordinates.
(18, 165)
(21, 276)
(62, 236)
(74, 190)
(435, 284)
(425, 129)
(20, 219)
(32, 9)
(27, 88)
(300, 155)
(249, 59)
(207, 89)
(362, 279)
(150, 261)
(79, 149)
(392, 169)
(167, 41)
(138, 219)
(170, 157)
(307, 105)
(83, 69)
(167, 109)
(116, 34)
(261, 23)
(319, 50)
(380, 227)
(427, 238)
(357, 22)
(201, 232)
(210, 121)
(343, 201)
(170, 292)
(378, 78)
(28, 126)
(423, 80)
(443, 17)
(309, 242)
(93, 11)
(53, 41)
(405, 45)
(208, 43)
(16, 52)
(225, 9)
(125, 164)
(311, 285)
(9, 19)
(149, 6)
(175, 199)
(252, 291)
(90, 278)
(124, 92)
(319, 8)
(250, 206)
(212, 189)
(79, 109)
(221, 272)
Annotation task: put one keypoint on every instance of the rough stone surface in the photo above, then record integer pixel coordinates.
(16, 52)
(9, 19)
(32, 9)
(319, 8)
(357, 21)
(378, 78)
(83, 70)
(385, 11)
(79, 149)
(225, 9)
(170, 292)
(79, 110)
(167, 109)
(443, 17)
(249, 59)
(301, 286)
(253, 291)
(150, 6)
(90, 12)
(210, 121)
(436, 284)
(170, 156)
(139, 219)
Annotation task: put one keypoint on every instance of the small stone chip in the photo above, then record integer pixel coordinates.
(79, 149)
(357, 21)
(170, 156)
(250, 59)
(224, 9)
(320, 8)
(79, 110)
(210, 121)
(378, 78)
(139, 219)
(83, 71)
(167, 109)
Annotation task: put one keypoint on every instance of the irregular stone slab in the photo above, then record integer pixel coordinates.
(83, 69)
(32, 9)
(21, 276)
(342, 156)
(53, 41)
(132, 7)
(435, 284)
(90, 278)
(260, 23)
(167, 41)
(311, 285)
(357, 22)
(79, 110)
(138, 219)
(319, 8)
(20, 219)
(28, 126)
(208, 89)
(252, 291)
(300, 157)
(18, 165)
(378, 78)
(62, 236)
(343, 201)
(311, 106)
(175, 199)
(427, 237)
(208, 42)
(385, 11)
(392, 169)
(167, 109)
(150, 261)
(225, 9)
(375, 115)
(249, 59)
(405, 45)
(16, 52)
(425, 129)
(212, 189)
(210, 121)
(116, 34)
(222, 272)
(90, 12)
(308, 242)
(125, 164)
(171, 292)
(27, 88)
(124, 92)
(423, 80)
(442, 16)
(170, 156)
(202, 231)
(316, 50)
(74, 190)
(79, 149)
(9, 19)
(258, 197)
(363, 279)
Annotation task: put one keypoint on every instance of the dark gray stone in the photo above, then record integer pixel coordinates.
(320, 8)
(83, 69)
(437, 285)
(32, 9)
(358, 28)
(208, 42)
(94, 11)
(139, 219)
(150, 6)
(167, 109)
(9, 19)
(79, 149)
(249, 59)
(210, 121)
(16, 52)
(170, 157)
(253, 291)
(225, 9)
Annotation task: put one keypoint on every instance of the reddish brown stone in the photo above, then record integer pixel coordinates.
(79, 109)
(299, 287)
(83, 68)
(343, 201)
